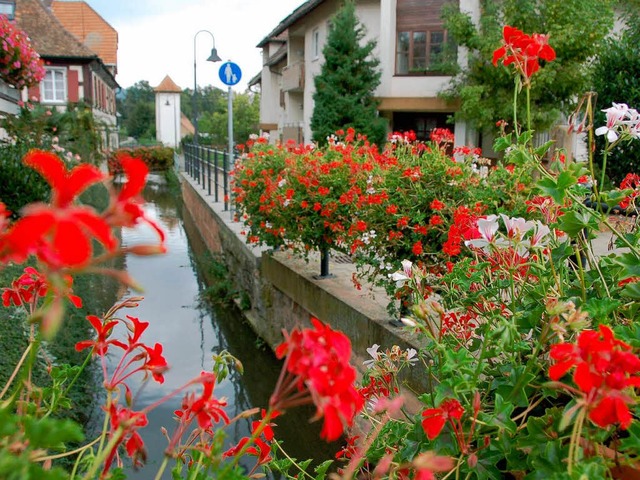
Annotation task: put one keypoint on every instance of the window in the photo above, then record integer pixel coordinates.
(315, 44)
(54, 86)
(8, 8)
(423, 51)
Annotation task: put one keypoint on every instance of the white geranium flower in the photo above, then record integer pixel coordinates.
(373, 352)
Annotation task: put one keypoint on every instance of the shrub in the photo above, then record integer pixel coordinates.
(156, 158)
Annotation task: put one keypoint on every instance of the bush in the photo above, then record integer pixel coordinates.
(19, 185)
(156, 158)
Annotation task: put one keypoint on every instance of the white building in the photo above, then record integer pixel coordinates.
(410, 39)
(168, 114)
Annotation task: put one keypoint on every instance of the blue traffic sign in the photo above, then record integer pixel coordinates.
(230, 73)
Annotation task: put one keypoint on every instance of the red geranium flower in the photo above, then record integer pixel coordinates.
(604, 368)
(434, 419)
(60, 234)
(523, 51)
(317, 362)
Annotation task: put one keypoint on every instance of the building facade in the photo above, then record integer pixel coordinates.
(413, 48)
(74, 72)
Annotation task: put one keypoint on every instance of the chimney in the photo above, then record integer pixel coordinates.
(47, 4)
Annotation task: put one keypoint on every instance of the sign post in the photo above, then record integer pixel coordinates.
(230, 74)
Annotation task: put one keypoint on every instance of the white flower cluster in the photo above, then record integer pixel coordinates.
(622, 121)
(517, 228)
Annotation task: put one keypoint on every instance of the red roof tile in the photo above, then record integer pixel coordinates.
(89, 27)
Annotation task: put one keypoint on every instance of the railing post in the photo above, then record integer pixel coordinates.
(186, 157)
(196, 171)
(204, 170)
(225, 179)
(208, 171)
(215, 178)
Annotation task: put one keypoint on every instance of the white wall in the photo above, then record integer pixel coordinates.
(168, 118)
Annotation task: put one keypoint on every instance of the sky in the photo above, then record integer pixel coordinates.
(156, 37)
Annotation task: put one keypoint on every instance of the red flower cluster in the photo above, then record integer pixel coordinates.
(61, 234)
(261, 435)
(631, 181)
(317, 366)
(523, 51)
(142, 357)
(20, 64)
(205, 409)
(441, 136)
(32, 286)
(125, 424)
(604, 368)
(434, 419)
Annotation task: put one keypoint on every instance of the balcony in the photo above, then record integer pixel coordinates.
(293, 77)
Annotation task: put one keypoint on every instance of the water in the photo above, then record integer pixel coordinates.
(191, 332)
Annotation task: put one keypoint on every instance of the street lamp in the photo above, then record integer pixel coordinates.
(212, 58)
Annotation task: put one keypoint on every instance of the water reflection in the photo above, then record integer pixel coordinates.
(191, 332)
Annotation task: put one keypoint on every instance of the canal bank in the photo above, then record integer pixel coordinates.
(282, 292)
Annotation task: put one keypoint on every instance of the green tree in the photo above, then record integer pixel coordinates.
(346, 84)
(137, 111)
(246, 117)
(617, 79)
(576, 28)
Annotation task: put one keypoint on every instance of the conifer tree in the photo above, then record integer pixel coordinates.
(346, 84)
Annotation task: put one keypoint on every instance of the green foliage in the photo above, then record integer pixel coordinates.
(576, 29)
(156, 158)
(344, 88)
(137, 110)
(72, 133)
(246, 117)
(617, 79)
(19, 185)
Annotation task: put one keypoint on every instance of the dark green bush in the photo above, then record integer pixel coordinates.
(156, 158)
(19, 185)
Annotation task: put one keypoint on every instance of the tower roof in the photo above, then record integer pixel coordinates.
(168, 85)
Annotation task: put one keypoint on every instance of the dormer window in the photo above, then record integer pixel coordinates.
(8, 9)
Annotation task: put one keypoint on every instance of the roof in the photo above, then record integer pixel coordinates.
(255, 80)
(280, 54)
(296, 15)
(186, 127)
(168, 85)
(89, 27)
(48, 36)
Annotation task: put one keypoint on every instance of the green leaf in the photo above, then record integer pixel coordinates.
(502, 143)
(632, 290)
(557, 187)
(51, 432)
(525, 137)
(542, 149)
(321, 470)
(630, 262)
(574, 222)
(600, 308)
(501, 417)
(614, 197)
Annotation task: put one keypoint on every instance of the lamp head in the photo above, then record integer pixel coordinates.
(214, 56)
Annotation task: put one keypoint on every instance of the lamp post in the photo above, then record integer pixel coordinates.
(212, 58)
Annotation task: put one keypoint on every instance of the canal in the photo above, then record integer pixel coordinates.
(192, 331)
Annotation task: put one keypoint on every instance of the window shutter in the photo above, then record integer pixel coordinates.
(418, 14)
(72, 85)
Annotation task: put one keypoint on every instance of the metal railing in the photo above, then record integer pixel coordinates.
(209, 168)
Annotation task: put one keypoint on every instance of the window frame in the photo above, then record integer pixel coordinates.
(409, 53)
(315, 43)
(10, 9)
(65, 93)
